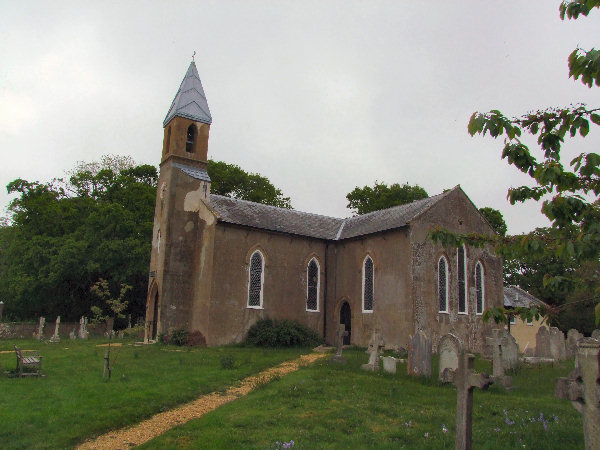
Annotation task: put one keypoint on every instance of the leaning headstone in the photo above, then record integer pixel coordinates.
(389, 364)
(448, 349)
(419, 355)
(499, 344)
(583, 389)
(339, 338)
(596, 335)
(40, 333)
(573, 337)
(374, 350)
(466, 380)
(542, 343)
(558, 349)
(55, 337)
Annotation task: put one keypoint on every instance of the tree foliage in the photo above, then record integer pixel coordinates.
(232, 181)
(495, 219)
(381, 196)
(569, 193)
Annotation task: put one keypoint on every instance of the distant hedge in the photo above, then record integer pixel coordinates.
(287, 333)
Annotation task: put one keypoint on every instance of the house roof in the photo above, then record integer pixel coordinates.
(515, 297)
(190, 100)
(257, 215)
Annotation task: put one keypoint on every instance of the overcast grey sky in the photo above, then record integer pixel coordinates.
(320, 97)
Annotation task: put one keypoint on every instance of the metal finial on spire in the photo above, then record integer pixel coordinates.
(193, 55)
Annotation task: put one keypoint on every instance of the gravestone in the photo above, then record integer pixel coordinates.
(582, 387)
(419, 355)
(110, 324)
(573, 337)
(83, 332)
(558, 349)
(1, 309)
(389, 364)
(55, 337)
(339, 338)
(466, 380)
(500, 344)
(72, 335)
(40, 333)
(128, 320)
(448, 349)
(510, 350)
(375, 347)
(542, 343)
(596, 335)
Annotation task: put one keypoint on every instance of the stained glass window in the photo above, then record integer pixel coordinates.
(462, 282)
(255, 283)
(368, 284)
(312, 292)
(479, 289)
(443, 285)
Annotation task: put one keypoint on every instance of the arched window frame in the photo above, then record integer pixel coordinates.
(251, 266)
(190, 141)
(461, 277)
(479, 289)
(368, 284)
(316, 289)
(443, 295)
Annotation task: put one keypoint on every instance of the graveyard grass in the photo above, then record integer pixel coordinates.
(326, 405)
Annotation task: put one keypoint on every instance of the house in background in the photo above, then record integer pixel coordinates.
(523, 332)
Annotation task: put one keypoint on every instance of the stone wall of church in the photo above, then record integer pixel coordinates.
(285, 281)
(392, 304)
(457, 214)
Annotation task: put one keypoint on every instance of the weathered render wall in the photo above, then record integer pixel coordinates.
(456, 213)
(284, 291)
(525, 333)
(392, 304)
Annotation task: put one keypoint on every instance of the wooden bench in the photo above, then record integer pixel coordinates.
(31, 362)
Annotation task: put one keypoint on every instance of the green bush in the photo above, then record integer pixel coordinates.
(287, 333)
(179, 337)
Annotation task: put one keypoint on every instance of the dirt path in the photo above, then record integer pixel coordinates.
(160, 423)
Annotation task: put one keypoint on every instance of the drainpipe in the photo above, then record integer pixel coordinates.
(325, 293)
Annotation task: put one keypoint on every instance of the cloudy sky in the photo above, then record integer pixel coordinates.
(320, 97)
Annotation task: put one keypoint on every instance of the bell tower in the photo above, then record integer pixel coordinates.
(187, 124)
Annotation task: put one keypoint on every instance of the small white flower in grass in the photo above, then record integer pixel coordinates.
(444, 429)
(426, 435)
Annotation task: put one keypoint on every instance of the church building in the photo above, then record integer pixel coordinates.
(219, 264)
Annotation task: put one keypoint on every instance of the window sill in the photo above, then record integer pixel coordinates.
(313, 310)
(443, 312)
(254, 307)
(466, 313)
(367, 311)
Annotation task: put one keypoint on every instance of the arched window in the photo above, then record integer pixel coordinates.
(443, 285)
(312, 285)
(479, 288)
(255, 280)
(368, 287)
(191, 139)
(461, 261)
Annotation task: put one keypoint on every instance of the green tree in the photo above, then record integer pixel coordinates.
(570, 193)
(232, 181)
(381, 196)
(495, 219)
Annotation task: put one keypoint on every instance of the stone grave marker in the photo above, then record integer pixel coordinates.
(542, 343)
(55, 337)
(110, 324)
(419, 355)
(375, 347)
(573, 337)
(499, 344)
(339, 339)
(40, 333)
(596, 334)
(466, 380)
(83, 332)
(448, 349)
(389, 364)
(558, 349)
(582, 387)
(72, 335)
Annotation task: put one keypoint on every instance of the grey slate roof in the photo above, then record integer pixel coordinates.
(256, 215)
(194, 172)
(190, 100)
(514, 297)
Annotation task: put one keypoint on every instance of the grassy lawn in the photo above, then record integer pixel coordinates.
(333, 406)
(73, 403)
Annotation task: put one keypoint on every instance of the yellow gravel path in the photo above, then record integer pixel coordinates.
(162, 422)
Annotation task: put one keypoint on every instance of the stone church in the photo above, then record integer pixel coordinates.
(219, 264)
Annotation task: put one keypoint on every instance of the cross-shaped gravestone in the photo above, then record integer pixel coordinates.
(375, 347)
(55, 337)
(496, 344)
(40, 333)
(339, 338)
(582, 387)
(466, 380)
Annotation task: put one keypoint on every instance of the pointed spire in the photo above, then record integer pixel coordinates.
(190, 101)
